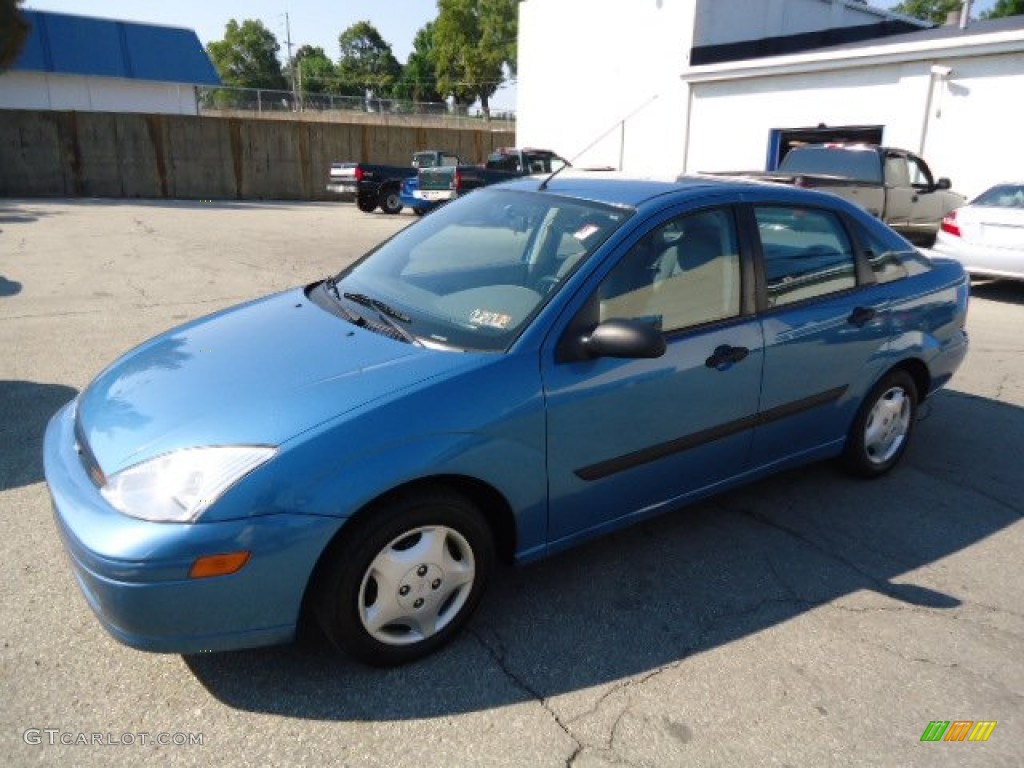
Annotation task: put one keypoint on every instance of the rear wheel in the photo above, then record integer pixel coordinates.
(390, 201)
(407, 578)
(883, 427)
(365, 205)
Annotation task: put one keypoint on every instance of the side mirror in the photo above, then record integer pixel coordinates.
(943, 183)
(631, 339)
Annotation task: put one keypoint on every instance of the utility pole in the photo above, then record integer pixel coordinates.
(291, 62)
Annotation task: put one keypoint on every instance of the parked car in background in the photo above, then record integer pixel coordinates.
(411, 200)
(373, 186)
(440, 184)
(987, 235)
(892, 184)
(524, 369)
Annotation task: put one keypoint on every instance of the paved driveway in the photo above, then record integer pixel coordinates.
(809, 620)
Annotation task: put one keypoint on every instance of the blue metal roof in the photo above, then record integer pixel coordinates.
(81, 45)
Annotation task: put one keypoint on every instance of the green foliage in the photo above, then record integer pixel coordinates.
(13, 32)
(247, 56)
(418, 81)
(934, 11)
(475, 41)
(366, 65)
(315, 71)
(1005, 8)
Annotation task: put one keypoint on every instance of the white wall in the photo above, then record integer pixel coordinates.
(586, 67)
(40, 90)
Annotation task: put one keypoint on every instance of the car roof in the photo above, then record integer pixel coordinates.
(622, 189)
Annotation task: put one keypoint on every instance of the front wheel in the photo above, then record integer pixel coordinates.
(407, 578)
(881, 432)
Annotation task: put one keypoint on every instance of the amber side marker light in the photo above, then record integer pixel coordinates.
(218, 565)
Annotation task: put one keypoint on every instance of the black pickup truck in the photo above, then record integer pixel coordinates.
(441, 184)
(892, 184)
(372, 185)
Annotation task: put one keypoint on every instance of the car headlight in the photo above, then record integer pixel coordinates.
(179, 486)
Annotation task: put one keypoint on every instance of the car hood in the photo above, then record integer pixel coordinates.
(257, 374)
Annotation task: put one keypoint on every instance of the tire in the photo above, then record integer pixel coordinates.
(390, 201)
(420, 211)
(406, 579)
(365, 205)
(883, 427)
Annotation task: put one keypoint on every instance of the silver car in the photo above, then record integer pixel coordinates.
(987, 234)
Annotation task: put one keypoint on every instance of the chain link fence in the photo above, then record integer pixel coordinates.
(262, 100)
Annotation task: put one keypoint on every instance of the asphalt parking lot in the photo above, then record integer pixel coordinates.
(808, 620)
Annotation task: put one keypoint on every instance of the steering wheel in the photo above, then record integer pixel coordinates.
(546, 284)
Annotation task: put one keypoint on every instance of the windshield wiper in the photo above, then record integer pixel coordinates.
(331, 284)
(367, 301)
(387, 314)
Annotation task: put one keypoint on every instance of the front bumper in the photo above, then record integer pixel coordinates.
(134, 573)
(434, 196)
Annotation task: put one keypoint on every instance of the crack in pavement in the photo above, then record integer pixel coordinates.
(497, 654)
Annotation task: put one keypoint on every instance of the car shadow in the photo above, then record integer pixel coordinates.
(676, 586)
(9, 287)
(22, 211)
(25, 408)
(1004, 291)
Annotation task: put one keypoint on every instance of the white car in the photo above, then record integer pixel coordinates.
(987, 234)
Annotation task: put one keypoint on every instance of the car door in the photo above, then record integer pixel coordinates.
(929, 202)
(629, 436)
(899, 195)
(826, 324)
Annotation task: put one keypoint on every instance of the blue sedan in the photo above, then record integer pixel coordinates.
(530, 366)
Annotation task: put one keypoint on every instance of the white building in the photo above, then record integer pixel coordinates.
(710, 85)
(103, 65)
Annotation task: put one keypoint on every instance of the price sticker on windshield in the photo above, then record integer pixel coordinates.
(490, 319)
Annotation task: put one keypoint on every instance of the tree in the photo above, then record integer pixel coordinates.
(247, 56)
(1005, 8)
(475, 42)
(366, 66)
(13, 32)
(934, 11)
(315, 70)
(418, 80)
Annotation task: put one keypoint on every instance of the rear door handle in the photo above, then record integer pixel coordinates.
(861, 316)
(724, 356)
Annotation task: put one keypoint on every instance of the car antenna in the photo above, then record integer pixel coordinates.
(547, 179)
(617, 124)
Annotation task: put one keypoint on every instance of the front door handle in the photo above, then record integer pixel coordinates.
(861, 316)
(724, 356)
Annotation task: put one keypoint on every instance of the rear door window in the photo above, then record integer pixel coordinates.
(807, 253)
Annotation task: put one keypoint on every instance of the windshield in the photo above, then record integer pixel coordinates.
(472, 273)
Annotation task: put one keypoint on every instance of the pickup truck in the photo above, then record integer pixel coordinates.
(441, 184)
(373, 185)
(893, 185)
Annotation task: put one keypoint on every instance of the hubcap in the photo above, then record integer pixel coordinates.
(887, 426)
(416, 585)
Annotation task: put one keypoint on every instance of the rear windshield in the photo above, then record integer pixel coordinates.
(857, 164)
(1002, 196)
